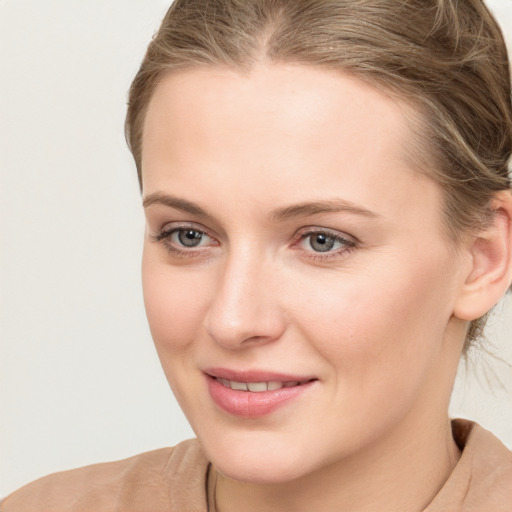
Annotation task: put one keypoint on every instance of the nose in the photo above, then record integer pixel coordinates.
(245, 308)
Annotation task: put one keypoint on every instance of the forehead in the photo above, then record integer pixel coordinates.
(293, 101)
(281, 129)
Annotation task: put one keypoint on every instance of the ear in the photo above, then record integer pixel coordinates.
(490, 270)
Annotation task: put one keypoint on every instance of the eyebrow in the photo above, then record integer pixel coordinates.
(277, 215)
(174, 202)
(315, 207)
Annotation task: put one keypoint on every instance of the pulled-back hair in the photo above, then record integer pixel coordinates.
(445, 57)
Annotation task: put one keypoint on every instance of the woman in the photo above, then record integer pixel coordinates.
(328, 222)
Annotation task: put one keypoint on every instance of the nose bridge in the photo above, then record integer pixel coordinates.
(243, 308)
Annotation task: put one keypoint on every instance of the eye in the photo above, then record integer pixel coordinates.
(188, 237)
(325, 242)
(320, 242)
(184, 241)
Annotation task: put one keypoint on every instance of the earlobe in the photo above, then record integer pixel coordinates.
(491, 263)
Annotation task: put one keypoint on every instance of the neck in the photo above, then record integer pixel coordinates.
(382, 477)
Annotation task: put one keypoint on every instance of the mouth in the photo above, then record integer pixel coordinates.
(254, 394)
(260, 387)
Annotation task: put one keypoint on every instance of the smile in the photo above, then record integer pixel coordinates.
(255, 394)
(258, 387)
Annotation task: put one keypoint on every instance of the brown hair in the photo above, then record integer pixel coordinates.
(446, 57)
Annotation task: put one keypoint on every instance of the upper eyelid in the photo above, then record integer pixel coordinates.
(170, 227)
(310, 230)
(164, 237)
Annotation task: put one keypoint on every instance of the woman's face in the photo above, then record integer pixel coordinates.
(293, 255)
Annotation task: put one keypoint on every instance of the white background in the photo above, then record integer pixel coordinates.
(80, 381)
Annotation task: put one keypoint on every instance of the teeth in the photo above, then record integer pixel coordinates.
(274, 384)
(241, 386)
(256, 387)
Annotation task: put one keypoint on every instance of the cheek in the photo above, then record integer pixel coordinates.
(381, 337)
(378, 327)
(175, 302)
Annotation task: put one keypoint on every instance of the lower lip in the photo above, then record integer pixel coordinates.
(248, 404)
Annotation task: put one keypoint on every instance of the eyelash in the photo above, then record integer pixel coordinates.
(348, 243)
(164, 238)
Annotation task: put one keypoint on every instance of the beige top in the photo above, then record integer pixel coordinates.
(175, 480)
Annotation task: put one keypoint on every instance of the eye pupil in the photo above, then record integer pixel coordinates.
(190, 237)
(322, 242)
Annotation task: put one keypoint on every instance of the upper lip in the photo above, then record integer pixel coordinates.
(255, 375)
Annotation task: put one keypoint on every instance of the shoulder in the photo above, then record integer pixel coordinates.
(489, 463)
(148, 481)
(482, 479)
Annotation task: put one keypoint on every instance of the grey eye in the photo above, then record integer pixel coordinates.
(321, 242)
(188, 237)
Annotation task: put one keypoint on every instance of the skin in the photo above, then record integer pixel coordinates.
(377, 320)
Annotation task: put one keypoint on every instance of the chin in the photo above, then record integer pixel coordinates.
(261, 472)
(258, 458)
